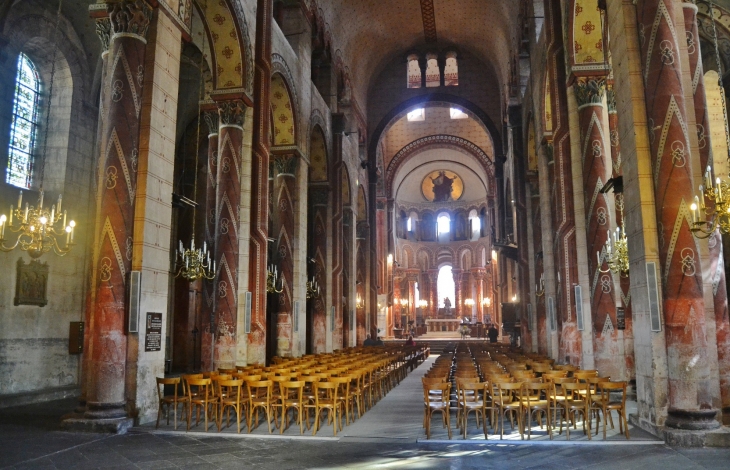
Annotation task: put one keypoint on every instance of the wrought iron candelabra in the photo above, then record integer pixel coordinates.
(313, 289)
(39, 229)
(272, 276)
(719, 213)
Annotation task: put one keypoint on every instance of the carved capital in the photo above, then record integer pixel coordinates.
(590, 90)
(104, 31)
(363, 229)
(611, 100)
(285, 164)
(231, 112)
(478, 274)
(346, 217)
(212, 120)
(130, 16)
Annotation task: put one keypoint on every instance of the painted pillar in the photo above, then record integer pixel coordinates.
(228, 197)
(398, 310)
(478, 276)
(623, 296)
(457, 275)
(363, 229)
(285, 167)
(433, 276)
(256, 341)
(690, 396)
(412, 279)
(596, 161)
(206, 335)
(717, 265)
(343, 322)
(319, 198)
(113, 258)
(336, 226)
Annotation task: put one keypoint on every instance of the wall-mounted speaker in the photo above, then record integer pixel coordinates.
(133, 293)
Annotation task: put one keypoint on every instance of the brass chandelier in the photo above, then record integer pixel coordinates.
(708, 218)
(40, 230)
(617, 251)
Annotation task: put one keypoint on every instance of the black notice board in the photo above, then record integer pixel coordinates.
(153, 332)
(620, 318)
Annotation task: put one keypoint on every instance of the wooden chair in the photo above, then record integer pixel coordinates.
(343, 394)
(473, 398)
(576, 401)
(230, 399)
(200, 398)
(443, 390)
(309, 396)
(603, 402)
(167, 400)
(292, 394)
(507, 400)
(259, 399)
(326, 398)
(535, 397)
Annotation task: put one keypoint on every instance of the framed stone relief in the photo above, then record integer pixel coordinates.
(31, 282)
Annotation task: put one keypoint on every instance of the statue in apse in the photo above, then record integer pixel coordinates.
(442, 187)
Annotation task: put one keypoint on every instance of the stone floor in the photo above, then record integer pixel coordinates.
(388, 436)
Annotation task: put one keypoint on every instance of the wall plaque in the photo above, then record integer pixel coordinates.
(620, 318)
(153, 332)
(30, 285)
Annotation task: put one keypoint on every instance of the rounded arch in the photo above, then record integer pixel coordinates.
(318, 161)
(426, 255)
(465, 252)
(463, 103)
(318, 119)
(440, 141)
(408, 258)
(346, 187)
(362, 205)
(284, 125)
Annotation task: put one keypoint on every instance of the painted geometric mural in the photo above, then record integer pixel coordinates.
(282, 111)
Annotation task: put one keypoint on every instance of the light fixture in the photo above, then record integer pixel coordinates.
(719, 194)
(469, 302)
(540, 286)
(272, 276)
(38, 229)
(358, 302)
(312, 288)
(390, 258)
(617, 251)
(194, 264)
(423, 303)
(404, 302)
(514, 298)
(486, 301)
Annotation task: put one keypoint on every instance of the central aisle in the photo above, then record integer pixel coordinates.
(397, 416)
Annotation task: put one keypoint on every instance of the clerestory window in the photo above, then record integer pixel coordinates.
(24, 126)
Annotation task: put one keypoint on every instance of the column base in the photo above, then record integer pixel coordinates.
(691, 420)
(78, 423)
(718, 437)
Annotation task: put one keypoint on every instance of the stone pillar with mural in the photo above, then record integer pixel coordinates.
(410, 308)
(717, 266)
(284, 172)
(433, 276)
(361, 273)
(259, 221)
(590, 93)
(318, 201)
(212, 120)
(690, 394)
(478, 275)
(122, 99)
(228, 197)
(457, 274)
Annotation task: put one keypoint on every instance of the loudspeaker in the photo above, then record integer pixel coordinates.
(133, 301)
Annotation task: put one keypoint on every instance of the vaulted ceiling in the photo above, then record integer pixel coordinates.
(370, 32)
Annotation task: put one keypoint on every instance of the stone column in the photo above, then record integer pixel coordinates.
(478, 276)
(343, 322)
(589, 92)
(398, 309)
(717, 267)
(212, 121)
(363, 229)
(318, 200)
(285, 167)
(113, 258)
(336, 222)
(411, 279)
(690, 397)
(228, 197)
(623, 296)
(433, 276)
(457, 273)
(260, 183)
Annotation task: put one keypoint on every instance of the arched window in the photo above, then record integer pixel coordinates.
(444, 223)
(414, 72)
(25, 120)
(433, 75)
(451, 70)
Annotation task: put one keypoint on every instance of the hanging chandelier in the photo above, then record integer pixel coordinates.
(708, 218)
(39, 230)
(272, 277)
(617, 250)
(313, 289)
(194, 264)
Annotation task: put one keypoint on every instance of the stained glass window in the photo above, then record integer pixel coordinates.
(23, 130)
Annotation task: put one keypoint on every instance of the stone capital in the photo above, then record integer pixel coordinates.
(285, 164)
(212, 119)
(231, 112)
(478, 273)
(362, 230)
(412, 275)
(319, 196)
(104, 31)
(130, 17)
(590, 90)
